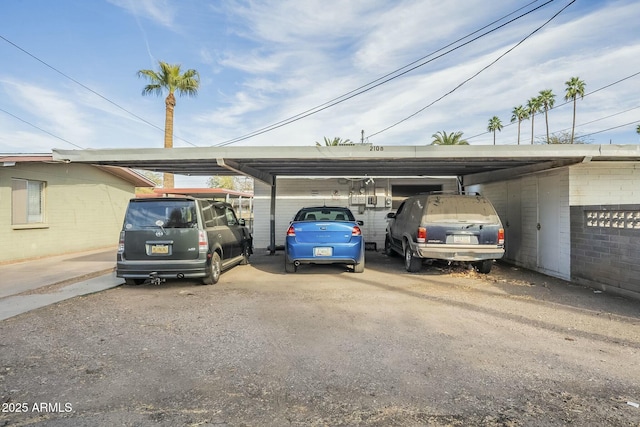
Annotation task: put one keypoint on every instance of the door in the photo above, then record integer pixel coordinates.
(513, 221)
(223, 233)
(548, 226)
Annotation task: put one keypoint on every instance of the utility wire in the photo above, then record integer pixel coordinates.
(476, 74)
(386, 78)
(40, 129)
(611, 128)
(85, 87)
(571, 101)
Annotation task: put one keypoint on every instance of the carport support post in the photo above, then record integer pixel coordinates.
(272, 219)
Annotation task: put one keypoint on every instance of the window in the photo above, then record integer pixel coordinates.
(27, 201)
(144, 214)
(231, 217)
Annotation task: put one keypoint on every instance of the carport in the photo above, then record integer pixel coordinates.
(490, 169)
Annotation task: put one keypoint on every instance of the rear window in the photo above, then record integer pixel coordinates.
(172, 213)
(467, 209)
(324, 214)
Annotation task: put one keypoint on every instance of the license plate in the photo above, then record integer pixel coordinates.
(160, 249)
(461, 239)
(322, 251)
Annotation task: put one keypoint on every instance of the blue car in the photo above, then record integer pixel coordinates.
(324, 235)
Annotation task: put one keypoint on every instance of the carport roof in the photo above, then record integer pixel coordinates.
(474, 163)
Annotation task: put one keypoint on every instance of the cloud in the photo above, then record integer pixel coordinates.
(51, 111)
(160, 11)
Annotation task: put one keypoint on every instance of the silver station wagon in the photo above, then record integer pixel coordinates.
(453, 227)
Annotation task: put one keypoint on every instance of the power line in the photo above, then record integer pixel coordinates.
(85, 87)
(611, 128)
(386, 78)
(569, 102)
(40, 129)
(476, 74)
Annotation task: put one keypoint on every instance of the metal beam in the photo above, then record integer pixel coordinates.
(246, 170)
(505, 174)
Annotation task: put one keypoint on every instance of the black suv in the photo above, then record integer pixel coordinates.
(453, 227)
(180, 238)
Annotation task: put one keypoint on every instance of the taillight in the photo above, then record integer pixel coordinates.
(203, 242)
(121, 243)
(291, 231)
(355, 231)
(501, 236)
(422, 235)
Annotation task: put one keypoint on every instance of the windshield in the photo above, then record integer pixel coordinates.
(172, 213)
(467, 209)
(324, 214)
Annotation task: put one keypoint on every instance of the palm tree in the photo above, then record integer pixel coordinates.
(534, 105)
(574, 89)
(519, 113)
(333, 142)
(494, 125)
(454, 138)
(547, 98)
(168, 78)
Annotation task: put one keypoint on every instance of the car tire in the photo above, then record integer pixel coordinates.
(245, 255)
(388, 250)
(359, 267)
(215, 269)
(483, 267)
(133, 282)
(411, 263)
(289, 267)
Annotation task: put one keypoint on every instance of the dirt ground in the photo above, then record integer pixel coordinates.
(327, 347)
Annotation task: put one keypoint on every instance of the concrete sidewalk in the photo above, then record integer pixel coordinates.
(32, 284)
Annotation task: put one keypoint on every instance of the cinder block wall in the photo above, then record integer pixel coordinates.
(605, 251)
(605, 226)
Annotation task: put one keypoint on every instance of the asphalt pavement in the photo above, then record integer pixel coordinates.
(36, 283)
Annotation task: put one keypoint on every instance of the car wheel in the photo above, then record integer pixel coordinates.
(245, 255)
(388, 251)
(215, 268)
(411, 263)
(359, 267)
(290, 267)
(483, 267)
(133, 282)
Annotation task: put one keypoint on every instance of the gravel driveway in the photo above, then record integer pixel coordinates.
(445, 347)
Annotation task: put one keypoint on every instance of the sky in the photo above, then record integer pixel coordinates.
(292, 72)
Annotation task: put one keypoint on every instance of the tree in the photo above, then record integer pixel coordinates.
(154, 177)
(454, 138)
(168, 78)
(221, 181)
(574, 89)
(230, 182)
(519, 113)
(333, 142)
(547, 98)
(562, 137)
(534, 105)
(638, 129)
(494, 125)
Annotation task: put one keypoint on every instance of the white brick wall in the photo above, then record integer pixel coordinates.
(529, 185)
(605, 183)
(295, 193)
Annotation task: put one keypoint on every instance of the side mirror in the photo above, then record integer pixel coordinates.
(360, 222)
(241, 222)
(391, 215)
